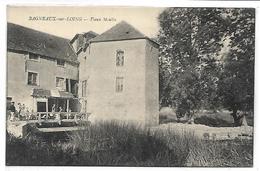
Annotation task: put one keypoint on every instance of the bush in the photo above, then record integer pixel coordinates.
(166, 115)
(212, 121)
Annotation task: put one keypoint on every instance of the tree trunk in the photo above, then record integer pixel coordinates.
(238, 118)
(191, 118)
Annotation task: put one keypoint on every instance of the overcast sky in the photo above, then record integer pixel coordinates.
(143, 19)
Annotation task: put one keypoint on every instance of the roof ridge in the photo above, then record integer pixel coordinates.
(123, 21)
(120, 31)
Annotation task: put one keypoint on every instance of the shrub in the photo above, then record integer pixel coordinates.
(166, 115)
(212, 121)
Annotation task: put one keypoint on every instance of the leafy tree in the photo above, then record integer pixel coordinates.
(236, 85)
(191, 39)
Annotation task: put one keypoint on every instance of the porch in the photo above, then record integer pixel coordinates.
(55, 101)
(55, 106)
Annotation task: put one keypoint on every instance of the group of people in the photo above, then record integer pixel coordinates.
(21, 112)
(18, 113)
(53, 113)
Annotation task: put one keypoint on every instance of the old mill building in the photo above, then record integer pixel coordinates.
(113, 75)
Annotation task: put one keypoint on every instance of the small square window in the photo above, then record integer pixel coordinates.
(34, 57)
(32, 78)
(60, 62)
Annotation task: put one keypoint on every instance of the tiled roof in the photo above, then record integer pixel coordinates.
(25, 39)
(121, 31)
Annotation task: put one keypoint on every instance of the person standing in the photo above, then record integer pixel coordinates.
(22, 112)
(27, 114)
(52, 114)
(12, 111)
(58, 115)
(23, 108)
(18, 115)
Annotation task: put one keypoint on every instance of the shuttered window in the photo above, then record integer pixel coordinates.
(119, 58)
(32, 78)
(84, 88)
(119, 84)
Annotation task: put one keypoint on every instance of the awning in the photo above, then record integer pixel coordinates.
(51, 93)
(65, 94)
(41, 93)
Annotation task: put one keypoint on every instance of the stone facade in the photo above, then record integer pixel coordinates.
(18, 66)
(138, 102)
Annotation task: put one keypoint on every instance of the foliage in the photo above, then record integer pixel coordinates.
(190, 40)
(236, 85)
(206, 59)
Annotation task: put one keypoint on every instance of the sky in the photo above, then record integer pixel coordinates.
(66, 21)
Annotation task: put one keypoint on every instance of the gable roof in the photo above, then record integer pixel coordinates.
(121, 31)
(28, 40)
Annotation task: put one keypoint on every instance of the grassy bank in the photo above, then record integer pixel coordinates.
(114, 144)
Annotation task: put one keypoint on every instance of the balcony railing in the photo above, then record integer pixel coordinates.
(57, 117)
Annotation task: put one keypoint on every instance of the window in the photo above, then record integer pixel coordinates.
(85, 105)
(119, 84)
(60, 62)
(60, 82)
(119, 58)
(32, 78)
(33, 57)
(84, 88)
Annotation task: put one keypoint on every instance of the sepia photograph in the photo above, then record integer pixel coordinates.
(130, 86)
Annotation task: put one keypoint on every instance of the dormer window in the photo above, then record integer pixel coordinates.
(119, 58)
(60, 63)
(34, 57)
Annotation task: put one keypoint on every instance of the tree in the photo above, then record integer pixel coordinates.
(191, 39)
(236, 85)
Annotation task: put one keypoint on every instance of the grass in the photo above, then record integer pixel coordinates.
(120, 144)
